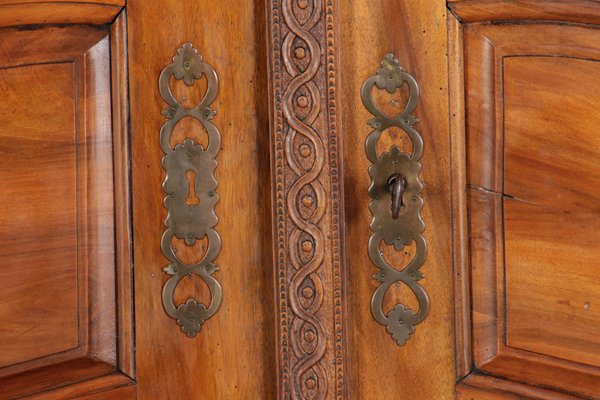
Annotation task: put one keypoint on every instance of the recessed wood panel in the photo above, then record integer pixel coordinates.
(60, 264)
(38, 217)
(532, 178)
(551, 132)
(551, 152)
(552, 285)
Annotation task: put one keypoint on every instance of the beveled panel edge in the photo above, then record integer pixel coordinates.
(122, 185)
(319, 238)
(93, 370)
(577, 11)
(59, 12)
(476, 386)
(544, 371)
(111, 386)
(507, 364)
(460, 234)
(474, 212)
(86, 376)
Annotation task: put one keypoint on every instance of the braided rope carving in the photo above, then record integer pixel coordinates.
(307, 193)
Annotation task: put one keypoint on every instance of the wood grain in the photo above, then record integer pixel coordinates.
(34, 382)
(233, 356)
(38, 158)
(489, 388)
(416, 32)
(460, 238)
(57, 145)
(35, 12)
(527, 225)
(551, 265)
(540, 371)
(549, 131)
(582, 11)
(120, 3)
(107, 387)
(122, 183)
(553, 280)
(486, 273)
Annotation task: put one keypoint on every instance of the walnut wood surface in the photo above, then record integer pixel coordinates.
(31, 172)
(416, 32)
(33, 12)
(233, 356)
(582, 11)
(59, 376)
(298, 325)
(122, 184)
(60, 321)
(541, 286)
(532, 202)
(551, 256)
(56, 141)
(486, 388)
(460, 238)
(120, 3)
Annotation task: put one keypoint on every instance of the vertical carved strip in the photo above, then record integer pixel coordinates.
(307, 198)
(335, 161)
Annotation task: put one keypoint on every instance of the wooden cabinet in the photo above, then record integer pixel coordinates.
(508, 112)
(530, 147)
(66, 309)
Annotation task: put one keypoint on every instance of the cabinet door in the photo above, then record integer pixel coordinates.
(65, 305)
(508, 121)
(423, 366)
(82, 212)
(529, 198)
(233, 355)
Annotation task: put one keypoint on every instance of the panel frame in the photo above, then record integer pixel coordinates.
(102, 363)
(482, 356)
(30, 12)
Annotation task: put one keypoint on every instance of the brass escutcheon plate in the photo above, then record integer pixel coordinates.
(190, 221)
(408, 226)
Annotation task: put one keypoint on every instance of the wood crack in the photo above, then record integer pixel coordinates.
(511, 197)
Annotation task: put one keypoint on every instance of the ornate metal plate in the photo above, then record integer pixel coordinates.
(185, 220)
(407, 226)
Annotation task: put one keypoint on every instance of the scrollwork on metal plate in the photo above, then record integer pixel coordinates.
(190, 221)
(408, 225)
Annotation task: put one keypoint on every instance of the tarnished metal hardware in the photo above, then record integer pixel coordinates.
(190, 188)
(396, 185)
(397, 218)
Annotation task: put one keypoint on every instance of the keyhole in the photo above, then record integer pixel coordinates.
(191, 199)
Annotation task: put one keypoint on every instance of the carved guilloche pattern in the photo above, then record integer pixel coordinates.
(306, 196)
(190, 221)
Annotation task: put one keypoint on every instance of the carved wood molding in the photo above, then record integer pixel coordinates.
(33, 12)
(578, 11)
(308, 199)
